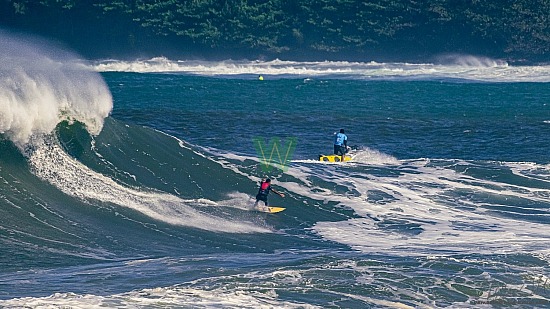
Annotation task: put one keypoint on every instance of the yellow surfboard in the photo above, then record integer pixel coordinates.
(270, 209)
(334, 158)
(275, 209)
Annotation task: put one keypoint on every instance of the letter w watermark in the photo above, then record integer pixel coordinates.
(275, 153)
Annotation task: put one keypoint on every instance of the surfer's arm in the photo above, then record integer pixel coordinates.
(277, 192)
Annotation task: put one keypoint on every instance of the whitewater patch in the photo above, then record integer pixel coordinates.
(160, 297)
(254, 289)
(422, 209)
(48, 161)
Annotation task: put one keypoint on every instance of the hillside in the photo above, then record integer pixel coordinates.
(398, 30)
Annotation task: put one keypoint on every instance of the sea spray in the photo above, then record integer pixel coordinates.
(42, 85)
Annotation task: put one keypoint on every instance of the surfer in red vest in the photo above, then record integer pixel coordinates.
(263, 192)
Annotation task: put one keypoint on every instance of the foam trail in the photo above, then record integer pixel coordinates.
(42, 85)
(49, 162)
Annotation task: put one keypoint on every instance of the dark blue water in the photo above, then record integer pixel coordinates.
(418, 119)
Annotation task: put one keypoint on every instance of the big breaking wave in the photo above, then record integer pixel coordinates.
(42, 85)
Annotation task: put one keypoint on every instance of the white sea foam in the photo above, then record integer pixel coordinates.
(418, 198)
(41, 85)
(540, 172)
(239, 200)
(254, 289)
(461, 67)
(169, 297)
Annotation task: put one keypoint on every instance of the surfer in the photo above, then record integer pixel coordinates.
(341, 144)
(265, 187)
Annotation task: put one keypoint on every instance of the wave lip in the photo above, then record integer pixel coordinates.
(42, 85)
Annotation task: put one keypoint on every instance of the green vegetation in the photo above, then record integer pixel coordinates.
(406, 28)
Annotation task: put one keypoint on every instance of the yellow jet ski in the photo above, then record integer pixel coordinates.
(334, 158)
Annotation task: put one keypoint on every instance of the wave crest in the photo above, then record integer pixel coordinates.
(42, 85)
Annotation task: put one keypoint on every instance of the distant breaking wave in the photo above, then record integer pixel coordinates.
(451, 67)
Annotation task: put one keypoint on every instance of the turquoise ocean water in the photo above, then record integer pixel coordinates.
(131, 184)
